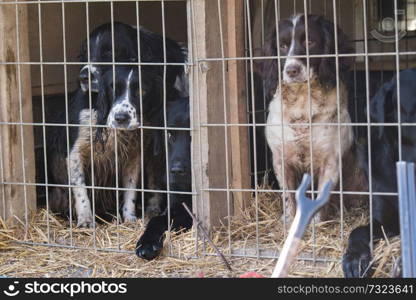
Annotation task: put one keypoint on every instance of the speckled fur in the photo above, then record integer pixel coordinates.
(128, 143)
(293, 105)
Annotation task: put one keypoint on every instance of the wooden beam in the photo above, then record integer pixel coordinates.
(207, 104)
(237, 104)
(18, 200)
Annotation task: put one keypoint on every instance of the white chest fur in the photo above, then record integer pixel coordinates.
(301, 117)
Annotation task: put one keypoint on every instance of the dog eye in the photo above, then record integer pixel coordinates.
(283, 46)
(310, 43)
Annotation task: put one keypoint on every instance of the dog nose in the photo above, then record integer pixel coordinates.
(121, 117)
(178, 169)
(292, 71)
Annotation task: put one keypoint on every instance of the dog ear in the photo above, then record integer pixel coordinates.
(326, 72)
(381, 105)
(83, 55)
(269, 68)
(345, 46)
(155, 106)
(158, 141)
(158, 135)
(327, 68)
(102, 106)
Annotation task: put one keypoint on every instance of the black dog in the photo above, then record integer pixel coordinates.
(125, 50)
(384, 155)
(150, 243)
(100, 50)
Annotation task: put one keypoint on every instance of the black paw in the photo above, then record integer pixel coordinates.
(148, 249)
(356, 264)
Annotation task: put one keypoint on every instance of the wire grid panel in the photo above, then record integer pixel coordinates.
(43, 61)
(247, 232)
(375, 62)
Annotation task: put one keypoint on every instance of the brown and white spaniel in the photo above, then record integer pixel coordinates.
(310, 104)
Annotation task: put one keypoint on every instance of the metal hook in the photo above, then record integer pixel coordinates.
(305, 210)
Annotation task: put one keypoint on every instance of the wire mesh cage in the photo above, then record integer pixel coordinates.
(113, 113)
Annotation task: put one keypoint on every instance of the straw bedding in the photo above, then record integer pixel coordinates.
(182, 256)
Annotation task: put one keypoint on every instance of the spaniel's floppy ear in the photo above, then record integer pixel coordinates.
(102, 106)
(381, 104)
(269, 68)
(155, 110)
(158, 140)
(158, 135)
(83, 55)
(345, 46)
(156, 95)
(327, 71)
(327, 68)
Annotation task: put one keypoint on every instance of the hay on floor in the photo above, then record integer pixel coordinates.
(182, 256)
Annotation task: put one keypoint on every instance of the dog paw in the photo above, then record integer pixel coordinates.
(85, 222)
(356, 264)
(129, 218)
(148, 248)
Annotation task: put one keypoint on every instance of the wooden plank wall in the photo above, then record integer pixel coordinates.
(76, 32)
(238, 109)
(209, 148)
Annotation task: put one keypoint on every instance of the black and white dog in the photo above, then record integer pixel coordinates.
(150, 243)
(117, 105)
(114, 104)
(305, 96)
(384, 155)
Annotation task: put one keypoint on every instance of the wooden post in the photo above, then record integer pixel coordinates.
(209, 159)
(237, 104)
(207, 107)
(19, 200)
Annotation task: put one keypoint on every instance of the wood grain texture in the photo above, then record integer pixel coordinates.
(237, 104)
(19, 200)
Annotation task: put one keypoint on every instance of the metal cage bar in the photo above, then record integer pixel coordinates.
(197, 67)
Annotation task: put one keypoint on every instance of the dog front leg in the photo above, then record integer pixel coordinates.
(155, 201)
(287, 182)
(329, 171)
(82, 202)
(130, 180)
